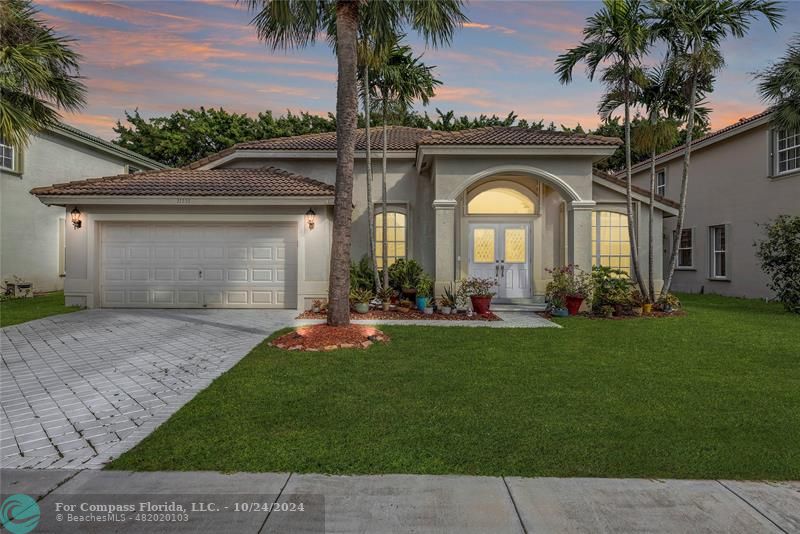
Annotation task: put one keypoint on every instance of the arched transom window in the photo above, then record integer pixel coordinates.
(500, 198)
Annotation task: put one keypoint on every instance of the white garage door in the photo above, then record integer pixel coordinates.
(168, 265)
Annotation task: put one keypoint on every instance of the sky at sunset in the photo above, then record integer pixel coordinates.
(162, 56)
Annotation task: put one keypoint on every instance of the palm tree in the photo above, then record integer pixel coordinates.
(693, 31)
(618, 36)
(286, 24)
(400, 80)
(779, 86)
(39, 73)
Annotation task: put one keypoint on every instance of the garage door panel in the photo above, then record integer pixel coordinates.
(198, 265)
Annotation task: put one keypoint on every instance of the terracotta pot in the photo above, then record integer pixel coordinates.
(574, 304)
(481, 303)
(386, 306)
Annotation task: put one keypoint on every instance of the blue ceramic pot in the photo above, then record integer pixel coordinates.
(422, 303)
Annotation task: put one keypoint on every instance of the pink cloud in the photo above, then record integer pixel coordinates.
(491, 27)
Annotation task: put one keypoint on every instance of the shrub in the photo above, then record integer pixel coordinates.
(405, 274)
(361, 276)
(424, 286)
(779, 254)
(610, 287)
(361, 296)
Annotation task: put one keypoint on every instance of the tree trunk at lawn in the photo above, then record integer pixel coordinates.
(687, 154)
(629, 194)
(650, 237)
(346, 124)
(370, 205)
(384, 222)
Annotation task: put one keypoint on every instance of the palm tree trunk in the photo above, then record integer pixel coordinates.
(384, 221)
(650, 237)
(687, 154)
(370, 205)
(346, 124)
(629, 195)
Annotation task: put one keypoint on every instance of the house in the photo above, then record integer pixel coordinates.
(251, 226)
(741, 176)
(32, 235)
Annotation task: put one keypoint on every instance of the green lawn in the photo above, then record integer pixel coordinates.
(712, 394)
(22, 310)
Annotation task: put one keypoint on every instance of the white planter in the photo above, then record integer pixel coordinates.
(446, 310)
(428, 311)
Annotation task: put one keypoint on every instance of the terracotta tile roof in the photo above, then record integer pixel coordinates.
(271, 182)
(742, 122)
(512, 135)
(407, 138)
(641, 190)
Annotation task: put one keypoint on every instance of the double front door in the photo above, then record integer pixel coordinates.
(502, 251)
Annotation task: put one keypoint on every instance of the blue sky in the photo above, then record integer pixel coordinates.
(161, 56)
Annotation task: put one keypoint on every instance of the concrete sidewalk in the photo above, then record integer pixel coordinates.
(413, 503)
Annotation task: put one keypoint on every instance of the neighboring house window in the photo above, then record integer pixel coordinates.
(395, 237)
(685, 248)
(661, 183)
(788, 152)
(719, 252)
(7, 155)
(612, 248)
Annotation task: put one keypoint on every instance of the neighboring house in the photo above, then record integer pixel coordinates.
(251, 226)
(32, 235)
(740, 176)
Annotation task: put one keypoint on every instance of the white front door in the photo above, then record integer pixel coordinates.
(502, 251)
(186, 265)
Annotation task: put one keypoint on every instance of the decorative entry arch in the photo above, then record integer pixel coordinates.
(565, 189)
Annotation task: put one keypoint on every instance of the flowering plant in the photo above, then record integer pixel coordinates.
(568, 281)
(477, 287)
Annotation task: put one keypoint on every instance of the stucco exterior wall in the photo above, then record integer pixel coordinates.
(729, 183)
(30, 232)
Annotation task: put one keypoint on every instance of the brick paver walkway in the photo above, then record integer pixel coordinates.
(77, 390)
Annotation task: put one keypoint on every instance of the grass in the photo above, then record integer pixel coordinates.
(23, 310)
(713, 394)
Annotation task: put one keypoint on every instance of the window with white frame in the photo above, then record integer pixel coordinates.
(661, 182)
(396, 228)
(686, 248)
(787, 153)
(612, 247)
(7, 155)
(719, 251)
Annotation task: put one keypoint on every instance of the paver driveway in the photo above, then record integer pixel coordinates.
(79, 389)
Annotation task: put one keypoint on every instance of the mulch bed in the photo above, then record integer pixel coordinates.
(412, 315)
(653, 315)
(322, 337)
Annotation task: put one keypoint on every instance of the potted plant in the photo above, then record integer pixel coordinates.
(607, 311)
(423, 292)
(647, 308)
(569, 288)
(386, 295)
(447, 300)
(360, 298)
(405, 306)
(479, 291)
(557, 307)
(404, 275)
(316, 306)
(669, 303)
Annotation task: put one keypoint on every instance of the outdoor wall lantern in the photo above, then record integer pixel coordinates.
(311, 218)
(76, 218)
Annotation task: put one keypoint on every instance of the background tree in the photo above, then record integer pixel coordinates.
(399, 80)
(191, 134)
(39, 73)
(296, 23)
(693, 31)
(779, 85)
(616, 38)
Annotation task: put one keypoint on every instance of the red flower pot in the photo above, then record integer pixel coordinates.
(480, 304)
(574, 304)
